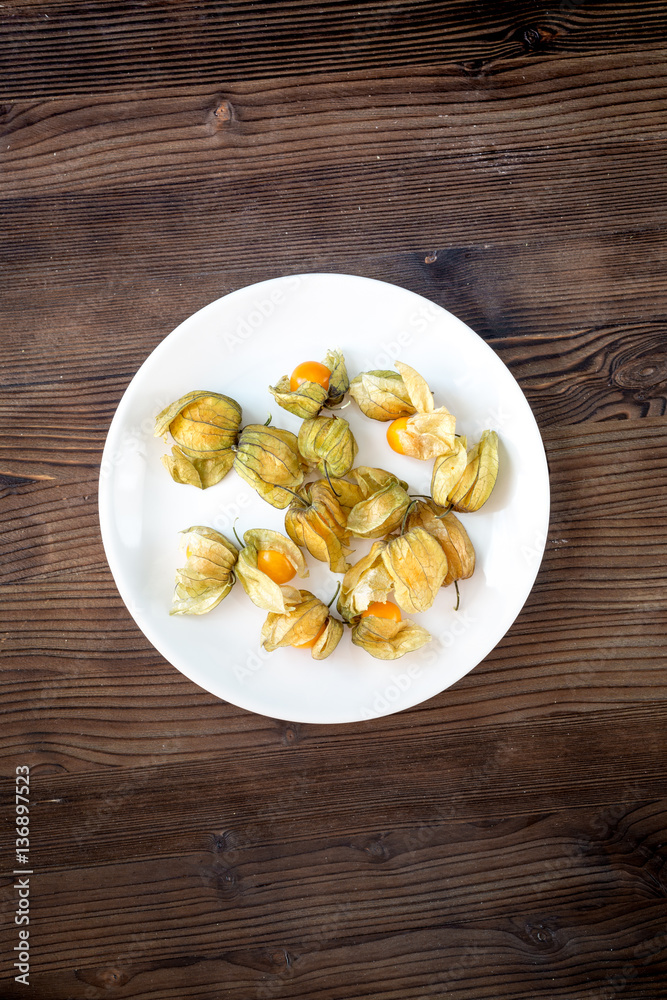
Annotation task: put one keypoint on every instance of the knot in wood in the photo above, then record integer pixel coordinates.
(377, 850)
(531, 38)
(539, 935)
(473, 67)
(223, 113)
(291, 735)
(108, 978)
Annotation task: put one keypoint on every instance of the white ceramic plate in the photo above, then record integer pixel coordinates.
(239, 345)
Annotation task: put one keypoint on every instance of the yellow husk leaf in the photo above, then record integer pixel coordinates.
(366, 581)
(204, 426)
(381, 513)
(304, 402)
(386, 639)
(201, 422)
(299, 624)
(339, 382)
(260, 588)
(483, 462)
(370, 480)
(328, 444)
(329, 639)
(419, 393)
(451, 535)
(199, 472)
(427, 435)
(447, 471)
(310, 397)
(267, 458)
(347, 494)
(381, 395)
(417, 565)
(207, 576)
(317, 522)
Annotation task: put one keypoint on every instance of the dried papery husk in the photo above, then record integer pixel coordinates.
(370, 479)
(310, 397)
(364, 582)
(328, 444)
(480, 475)
(429, 432)
(316, 521)
(381, 395)
(204, 426)
(447, 471)
(339, 382)
(260, 588)
(199, 472)
(381, 504)
(386, 639)
(450, 533)
(328, 639)
(309, 619)
(208, 574)
(417, 388)
(381, 513)
(304, 402)
(268, 459)
(417, 566)
(427, 435)
(348, 494)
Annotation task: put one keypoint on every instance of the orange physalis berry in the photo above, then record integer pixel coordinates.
(276, 565)
(383, 609)
(309, 371)
(393, 434)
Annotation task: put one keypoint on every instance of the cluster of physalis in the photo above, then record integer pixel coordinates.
(419, 545)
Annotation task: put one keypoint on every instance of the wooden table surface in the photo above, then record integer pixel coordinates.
(508, 161)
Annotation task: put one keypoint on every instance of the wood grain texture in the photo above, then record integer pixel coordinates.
(66, 47)
(314, 901)
(251, 129)
(507, 161)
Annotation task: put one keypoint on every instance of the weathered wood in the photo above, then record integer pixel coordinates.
(65, 47)
(507, 837)
(250, 130)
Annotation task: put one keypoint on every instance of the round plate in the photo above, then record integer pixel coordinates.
(241, 344)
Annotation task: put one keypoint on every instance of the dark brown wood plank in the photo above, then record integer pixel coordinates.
(199, 226)
(59, 48)
(283, 792)
(255, 129)
(295, 912)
